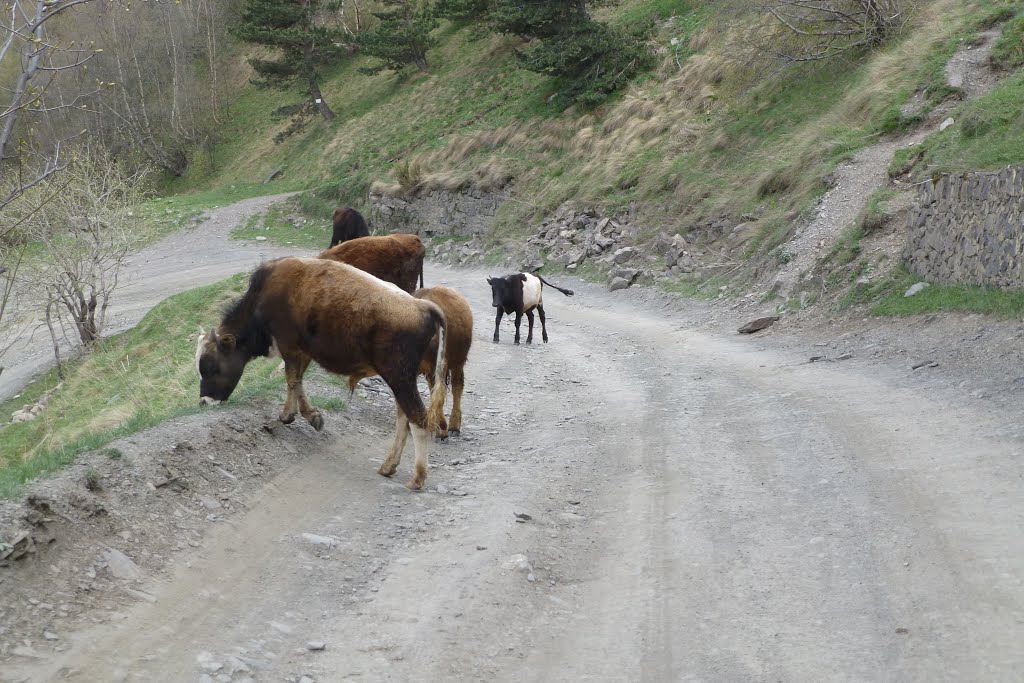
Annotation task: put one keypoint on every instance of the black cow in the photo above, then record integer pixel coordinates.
(348, 225)
(521, 293)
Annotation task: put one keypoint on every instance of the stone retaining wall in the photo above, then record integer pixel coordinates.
(968, 228)
(438, 212)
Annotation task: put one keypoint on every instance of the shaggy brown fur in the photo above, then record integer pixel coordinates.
(459, 329)
(397, 259)
(349, 323)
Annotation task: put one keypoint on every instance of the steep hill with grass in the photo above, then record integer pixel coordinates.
(721, 126)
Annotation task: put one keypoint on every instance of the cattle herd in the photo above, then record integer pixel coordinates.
(356, 311)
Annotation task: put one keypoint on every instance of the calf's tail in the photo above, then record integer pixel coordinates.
(567, 292)
(435, 413)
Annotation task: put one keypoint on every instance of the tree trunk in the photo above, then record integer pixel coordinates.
(53, 337)
(318, 99)
(21, 85)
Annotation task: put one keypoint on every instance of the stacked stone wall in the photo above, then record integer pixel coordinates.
(968, 228)
(438, 212)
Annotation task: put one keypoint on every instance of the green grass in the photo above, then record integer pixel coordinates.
(988, 134)
(1002, 303)
(884, 297)
(129, 382)
(164, 215)
(273, 225)
(335, 405)
(1008, 52)
(876, 211)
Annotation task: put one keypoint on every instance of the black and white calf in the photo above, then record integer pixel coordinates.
(521, 293)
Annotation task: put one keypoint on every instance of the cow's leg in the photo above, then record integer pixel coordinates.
(421, 446)
(458, 381)
(529, 333)
(300, 400)
(497, 321)
(519, 319)
(407, 398)
(543, 326)
(293, 380)
(441, 431)
(390, 464)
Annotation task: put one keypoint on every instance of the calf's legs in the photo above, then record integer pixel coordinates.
(296, 400)
(543, 326)
(497, 321)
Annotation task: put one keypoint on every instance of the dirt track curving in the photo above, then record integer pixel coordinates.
(701, 506)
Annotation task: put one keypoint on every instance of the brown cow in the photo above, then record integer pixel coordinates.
(348, 225)
(459, 329)
(347, 321)
(397, 259)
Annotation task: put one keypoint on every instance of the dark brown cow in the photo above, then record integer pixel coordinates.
(347, 321)
(348, 225)
(397, 259)
(459, 330)
(521, 293)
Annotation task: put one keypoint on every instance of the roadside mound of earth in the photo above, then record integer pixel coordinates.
(92, 539)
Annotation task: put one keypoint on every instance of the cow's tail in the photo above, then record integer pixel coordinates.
(421, 273)
(567, 292)
(435, 413)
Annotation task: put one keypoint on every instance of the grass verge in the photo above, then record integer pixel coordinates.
(127, 383)
(276, 227)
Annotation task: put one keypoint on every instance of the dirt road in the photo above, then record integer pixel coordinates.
(702, 507)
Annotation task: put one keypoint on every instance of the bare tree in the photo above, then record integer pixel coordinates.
(825, 28)
(25, 36)
(88, 231)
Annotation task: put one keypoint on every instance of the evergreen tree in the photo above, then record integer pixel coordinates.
(403, 35)
(463, 11)
(303, 45)
(588, 58)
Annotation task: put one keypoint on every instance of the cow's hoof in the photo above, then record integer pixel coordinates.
(287, 418)
(316, 420)
(441, 436)
(455, 432)
(415, 485)
(516, 342)
(545, 340)
(387, 471)
(495, 340)
(529, 341)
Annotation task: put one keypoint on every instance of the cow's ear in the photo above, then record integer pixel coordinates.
(226, 342)
(489, 280)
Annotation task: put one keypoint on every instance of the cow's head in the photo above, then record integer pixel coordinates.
(219, 363)
(502, 289)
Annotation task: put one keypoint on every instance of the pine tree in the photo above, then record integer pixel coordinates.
(587, 58)
(303, 45)
(403, 35)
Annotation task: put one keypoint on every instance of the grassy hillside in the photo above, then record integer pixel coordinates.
(716, 128)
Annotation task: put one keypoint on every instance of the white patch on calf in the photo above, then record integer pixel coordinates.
(274, 351)
(531, 292)
(207, 401)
